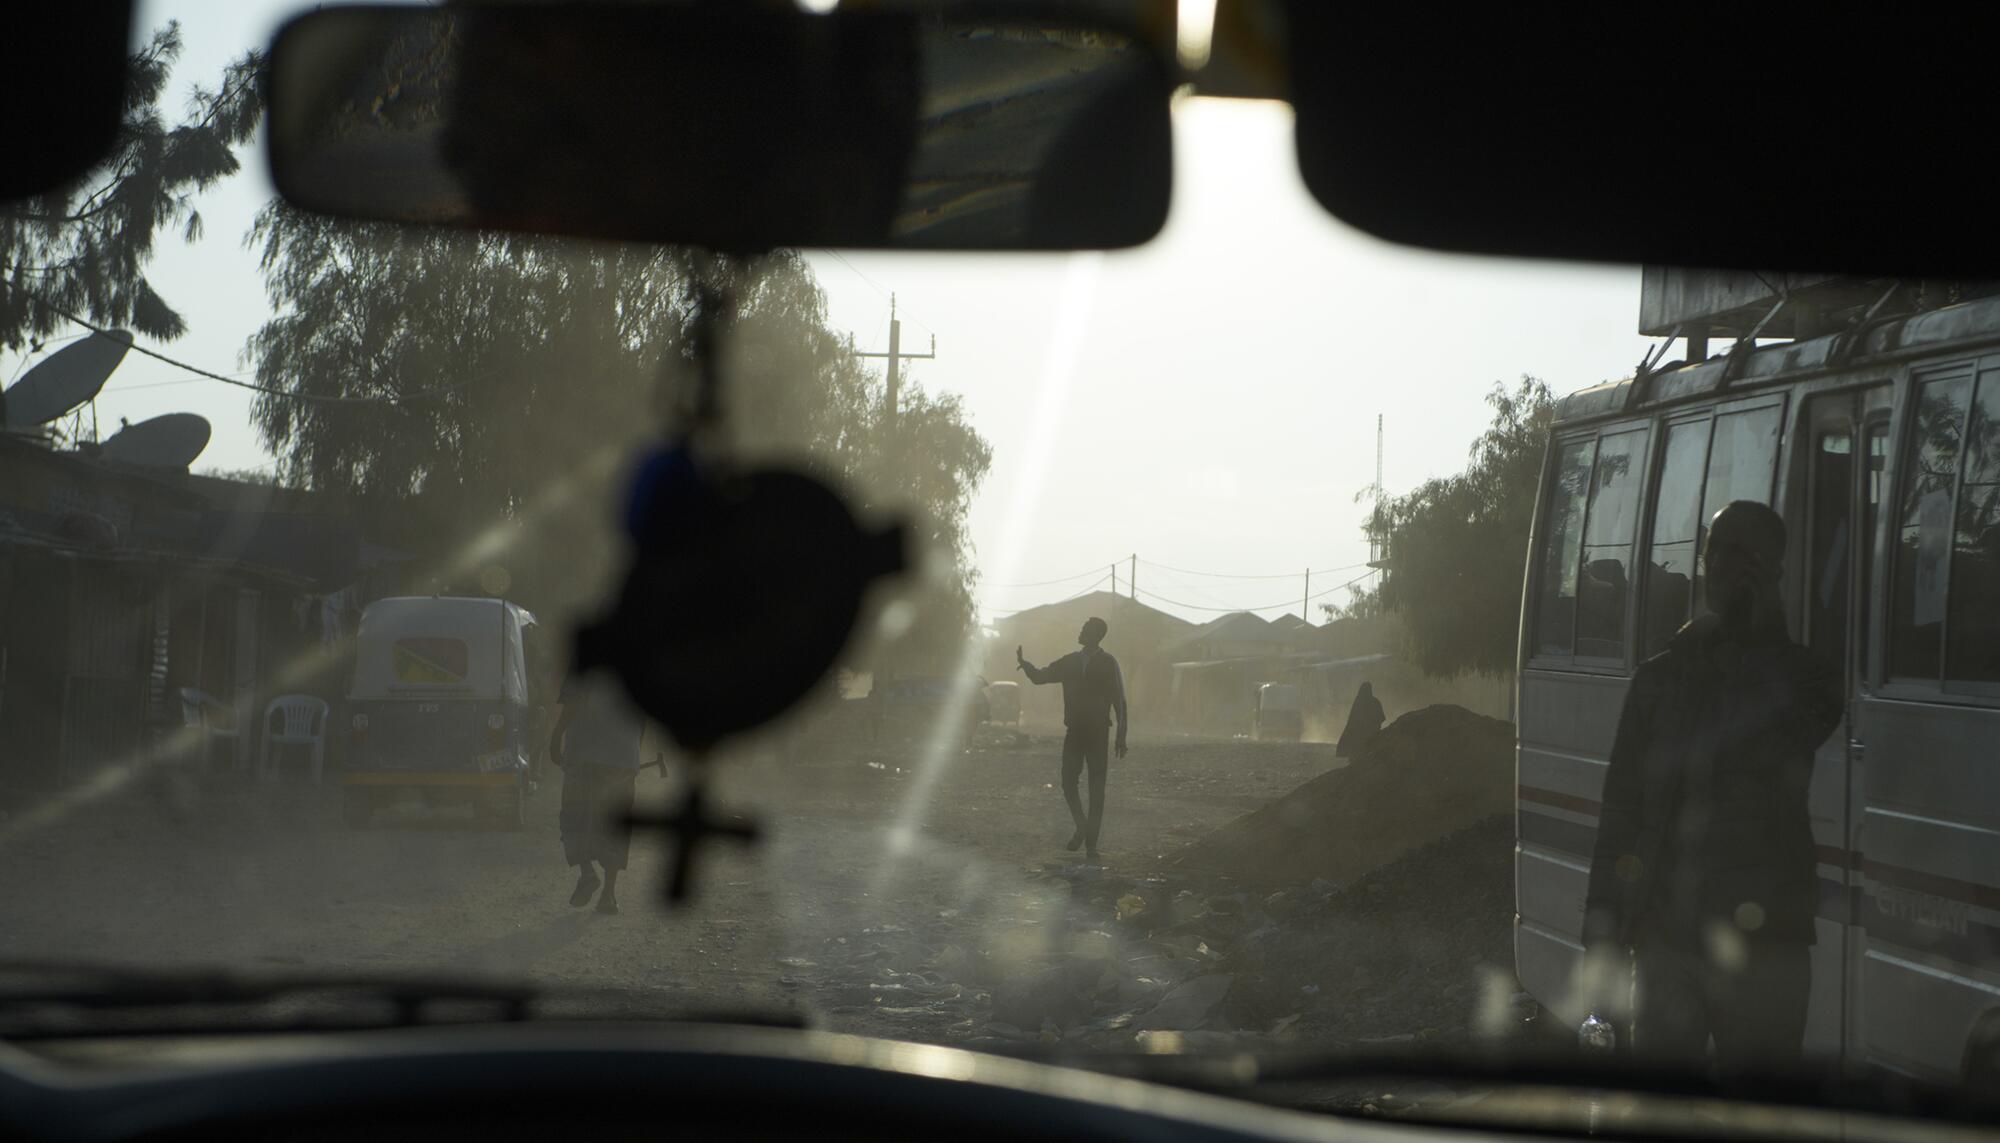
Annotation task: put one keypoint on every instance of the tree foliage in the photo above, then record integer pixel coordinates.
(489, 392)
(1458, 545)
(84, 248)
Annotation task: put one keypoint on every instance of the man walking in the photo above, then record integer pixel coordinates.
(596, 744)
(1093, 691)
(1704, 868)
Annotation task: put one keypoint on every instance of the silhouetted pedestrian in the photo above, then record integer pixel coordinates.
(1704, 869)
(1093, 692)
(1364, 722)
(597, 743)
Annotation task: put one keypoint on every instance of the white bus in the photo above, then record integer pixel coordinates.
(1881, 447)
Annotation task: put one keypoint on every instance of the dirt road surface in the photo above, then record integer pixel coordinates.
(931, 903)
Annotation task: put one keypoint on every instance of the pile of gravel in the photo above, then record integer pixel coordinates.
(1419, 949)
(1416, 952)
(1429, 774)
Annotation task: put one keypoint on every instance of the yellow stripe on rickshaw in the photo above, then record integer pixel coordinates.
(414, 780)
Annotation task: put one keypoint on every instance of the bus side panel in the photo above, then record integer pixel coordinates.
(1567, 721)
(1929, 844)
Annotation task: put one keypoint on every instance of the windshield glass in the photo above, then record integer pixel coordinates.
(1275, 670)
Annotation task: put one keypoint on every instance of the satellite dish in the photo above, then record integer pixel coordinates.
(66, 378)
(172, 441)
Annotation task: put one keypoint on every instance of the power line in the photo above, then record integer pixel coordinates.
(159, 385)
(1180, 585)
(1101, 581)
(1169, 568)
(211, 375)
(872, 284)
(1226, 575)
(1265, 607)
(1096, 571)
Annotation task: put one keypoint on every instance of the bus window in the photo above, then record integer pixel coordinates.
(1972, 636)
(1741, 465)
(1670, 566)
(1828, 543)
(1555, 624)
(1874, 495)
(1604, 585)
(1922, 539)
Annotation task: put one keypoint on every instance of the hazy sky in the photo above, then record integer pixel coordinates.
(1207, 402)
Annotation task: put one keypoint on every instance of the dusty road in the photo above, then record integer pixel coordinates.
(971, 926)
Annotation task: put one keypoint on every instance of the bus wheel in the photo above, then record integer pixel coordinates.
(356, 807)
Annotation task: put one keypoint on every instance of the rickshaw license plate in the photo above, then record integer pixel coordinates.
(490, 763)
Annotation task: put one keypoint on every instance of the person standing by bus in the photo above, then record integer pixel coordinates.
(1704, 868)
(597, 743)
(1093, 692)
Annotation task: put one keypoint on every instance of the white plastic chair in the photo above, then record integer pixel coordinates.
(304, 724)
(210, 716)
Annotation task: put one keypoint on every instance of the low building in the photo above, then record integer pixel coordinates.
(124, 591)
(1218, 667)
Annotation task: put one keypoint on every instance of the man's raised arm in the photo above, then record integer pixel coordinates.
(1039, 675)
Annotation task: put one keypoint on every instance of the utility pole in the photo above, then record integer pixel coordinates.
(1378, 526)
(896, 357)
(1379, 456)
(1132, 581)
(1114, 579)
(1305, 603)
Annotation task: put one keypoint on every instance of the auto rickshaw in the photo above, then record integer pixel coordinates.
(1003, 701)
(440, 703)
(1279, 714)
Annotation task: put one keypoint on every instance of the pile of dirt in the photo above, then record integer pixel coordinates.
(1418, 951)
(1429, 774)
(1420, 948)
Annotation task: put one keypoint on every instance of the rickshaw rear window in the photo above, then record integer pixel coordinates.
(430, 660)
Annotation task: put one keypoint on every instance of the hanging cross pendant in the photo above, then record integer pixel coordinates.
(690, 825)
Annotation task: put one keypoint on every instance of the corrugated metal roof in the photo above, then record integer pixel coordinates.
(1102, 603)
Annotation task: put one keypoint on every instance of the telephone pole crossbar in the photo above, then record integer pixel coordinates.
(896, 357)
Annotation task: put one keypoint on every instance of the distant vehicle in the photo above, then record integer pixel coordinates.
(1280, 716)
(1003, 703)
(1879, 450)
(913, 703)
(440, 703)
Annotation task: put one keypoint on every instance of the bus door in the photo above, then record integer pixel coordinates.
(1846, 442)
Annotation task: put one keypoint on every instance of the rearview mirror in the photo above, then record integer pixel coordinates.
(1820, 142)
(734, 127)
(60, 101)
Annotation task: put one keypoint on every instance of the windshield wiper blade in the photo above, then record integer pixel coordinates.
(45, 999)
(25, 984)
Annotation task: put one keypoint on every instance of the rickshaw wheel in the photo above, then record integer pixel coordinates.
(356, 807)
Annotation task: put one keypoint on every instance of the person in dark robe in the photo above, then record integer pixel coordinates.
(1364, 722)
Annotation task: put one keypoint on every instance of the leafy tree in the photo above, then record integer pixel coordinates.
(485, 394)
(241, 475)
(1458, 545)
(84, 248)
